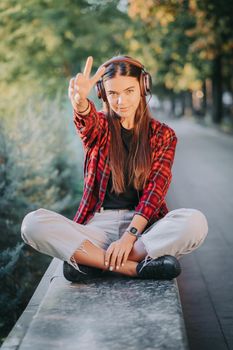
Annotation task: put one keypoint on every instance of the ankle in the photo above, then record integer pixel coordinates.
(131, 268)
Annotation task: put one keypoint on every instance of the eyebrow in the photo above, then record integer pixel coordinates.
(123, 90)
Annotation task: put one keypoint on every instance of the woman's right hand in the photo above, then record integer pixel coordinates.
(81, 85)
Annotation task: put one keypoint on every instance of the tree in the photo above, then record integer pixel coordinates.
(188, 40)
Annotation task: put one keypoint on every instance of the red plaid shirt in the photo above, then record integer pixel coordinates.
(94, 132)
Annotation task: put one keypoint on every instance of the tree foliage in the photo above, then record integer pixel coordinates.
(189, 41)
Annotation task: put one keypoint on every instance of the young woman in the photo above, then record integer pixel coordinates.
(122, 224)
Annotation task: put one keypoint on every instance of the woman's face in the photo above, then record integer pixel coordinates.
(123, 94)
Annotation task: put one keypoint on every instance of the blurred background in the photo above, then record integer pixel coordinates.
(186, 45)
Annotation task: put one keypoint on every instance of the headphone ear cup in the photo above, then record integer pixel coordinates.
(97, 89)
(142, 84)
(103, 93)
(147, 83)
(100, 90)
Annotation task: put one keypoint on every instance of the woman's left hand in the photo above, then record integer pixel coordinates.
(118, 251)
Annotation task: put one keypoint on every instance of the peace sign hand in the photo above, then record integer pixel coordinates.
(81, 85)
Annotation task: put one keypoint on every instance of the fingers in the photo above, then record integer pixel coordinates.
(81, 84)
(73, 91)
(108, 257)
(111, 256)
(78, 79)
(88, 66)
(98, 75)
(114, 256)
(71, 88)
(125, 258)
(119, 260)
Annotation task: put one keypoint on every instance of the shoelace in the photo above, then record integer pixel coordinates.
(148, 260)
(145, 262)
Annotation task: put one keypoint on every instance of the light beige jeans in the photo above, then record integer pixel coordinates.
(178, 233)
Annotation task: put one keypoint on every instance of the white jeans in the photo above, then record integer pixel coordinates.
(178, 233)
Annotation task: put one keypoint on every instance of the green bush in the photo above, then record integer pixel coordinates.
(40, 166)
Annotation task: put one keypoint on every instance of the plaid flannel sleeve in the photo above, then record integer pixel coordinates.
(89, 126)
(159, 178)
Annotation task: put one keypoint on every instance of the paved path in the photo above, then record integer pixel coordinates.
(202, 179)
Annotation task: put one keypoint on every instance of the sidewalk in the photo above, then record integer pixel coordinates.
(202, 179)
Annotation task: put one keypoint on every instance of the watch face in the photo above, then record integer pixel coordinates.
(133, 230)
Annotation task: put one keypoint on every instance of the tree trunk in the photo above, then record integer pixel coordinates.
(217, 90)
(182, 103)
(188, 103)
(173, 105)
(204, 100)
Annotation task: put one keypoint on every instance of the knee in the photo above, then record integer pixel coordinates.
(198, 225)
(30, 227)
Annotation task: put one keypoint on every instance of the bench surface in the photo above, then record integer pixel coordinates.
(114, 312)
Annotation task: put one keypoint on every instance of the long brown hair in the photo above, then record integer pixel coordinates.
(138, 163)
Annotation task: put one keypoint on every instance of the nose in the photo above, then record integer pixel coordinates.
(120, 100)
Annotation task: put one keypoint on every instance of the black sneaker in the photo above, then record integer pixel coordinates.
(73, 275)
(165, 267)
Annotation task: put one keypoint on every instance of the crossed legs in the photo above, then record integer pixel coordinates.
(180, 232)
(90, 255)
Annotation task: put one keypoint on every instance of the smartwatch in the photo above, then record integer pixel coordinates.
(134, 231)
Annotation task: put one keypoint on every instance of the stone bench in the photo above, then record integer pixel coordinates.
(114, 312)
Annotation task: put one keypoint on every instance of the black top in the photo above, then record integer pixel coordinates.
(129, 199)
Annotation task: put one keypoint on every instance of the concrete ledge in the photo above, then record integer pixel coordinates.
(17, 333)
(114, 312)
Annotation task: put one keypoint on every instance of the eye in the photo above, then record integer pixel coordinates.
(130, 90)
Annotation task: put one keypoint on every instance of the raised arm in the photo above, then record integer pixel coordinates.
(86, 117)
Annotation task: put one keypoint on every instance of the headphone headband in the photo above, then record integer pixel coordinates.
(126, 59)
